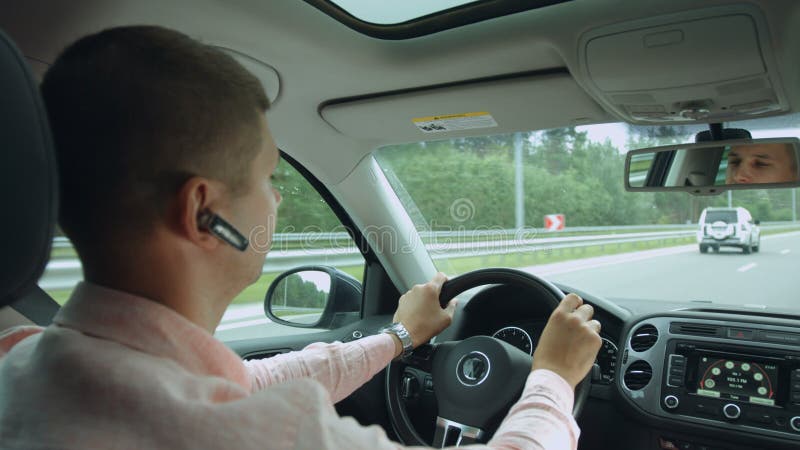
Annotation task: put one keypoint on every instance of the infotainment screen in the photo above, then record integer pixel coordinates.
(748, 381)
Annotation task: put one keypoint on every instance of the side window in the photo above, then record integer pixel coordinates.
(307, 233)
(63, 271)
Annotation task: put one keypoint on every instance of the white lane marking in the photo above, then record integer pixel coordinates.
(785, 251)
(602, 261)
(746, 267)
(560, 268)
(754, 306)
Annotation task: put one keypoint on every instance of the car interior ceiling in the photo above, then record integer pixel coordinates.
(535, 42)
(543, 65)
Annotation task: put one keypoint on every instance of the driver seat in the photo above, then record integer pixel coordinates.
(28, 189)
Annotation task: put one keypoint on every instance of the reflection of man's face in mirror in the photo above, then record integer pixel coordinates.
(761, 163)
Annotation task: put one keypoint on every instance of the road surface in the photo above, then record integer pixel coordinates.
(769, 277)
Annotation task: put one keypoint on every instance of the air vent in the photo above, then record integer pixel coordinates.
(638, 375)
(694, 329)
(643, 338)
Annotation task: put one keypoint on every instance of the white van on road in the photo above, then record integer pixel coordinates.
(728, 227)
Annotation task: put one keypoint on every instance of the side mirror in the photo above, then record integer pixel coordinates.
(314, 297)
(757, 222)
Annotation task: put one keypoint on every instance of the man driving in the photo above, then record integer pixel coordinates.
(164, 153)
(761, 163)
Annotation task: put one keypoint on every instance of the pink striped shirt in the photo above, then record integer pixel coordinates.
(117, 371)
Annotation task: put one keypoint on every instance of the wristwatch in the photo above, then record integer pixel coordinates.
(400, 331)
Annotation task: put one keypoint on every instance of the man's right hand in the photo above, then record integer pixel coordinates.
(420, 312)
(570, 341)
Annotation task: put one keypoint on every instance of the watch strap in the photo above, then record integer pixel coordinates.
(399, 330)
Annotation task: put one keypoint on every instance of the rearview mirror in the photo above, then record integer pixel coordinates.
(710, 168)
(314, 297)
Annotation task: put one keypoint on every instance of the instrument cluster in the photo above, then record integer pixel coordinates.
(525, 336)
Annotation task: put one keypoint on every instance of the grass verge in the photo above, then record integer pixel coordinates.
(548, 256)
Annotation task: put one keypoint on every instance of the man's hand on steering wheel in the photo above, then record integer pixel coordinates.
(570, 341)
(477, 379)
(420, 312)
(568, 345)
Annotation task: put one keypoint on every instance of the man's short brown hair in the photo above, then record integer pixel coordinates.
(135, 111)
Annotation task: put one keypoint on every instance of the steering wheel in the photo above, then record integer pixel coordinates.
(475, 380)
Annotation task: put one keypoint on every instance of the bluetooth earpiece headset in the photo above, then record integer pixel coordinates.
(220, 228)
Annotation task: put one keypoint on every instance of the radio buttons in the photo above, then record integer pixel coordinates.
(674, 381)
(677, 360)
(676, 370)
(672, 402)
(794, 390)
(731, 411)
(795, 423)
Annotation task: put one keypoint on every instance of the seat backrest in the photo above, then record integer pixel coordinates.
(28, 178)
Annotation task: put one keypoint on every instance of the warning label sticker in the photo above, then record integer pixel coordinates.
(455, 122)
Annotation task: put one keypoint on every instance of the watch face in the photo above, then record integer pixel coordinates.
(401, 330)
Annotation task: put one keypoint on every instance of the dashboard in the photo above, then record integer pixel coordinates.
(722, 371)
(668, 376)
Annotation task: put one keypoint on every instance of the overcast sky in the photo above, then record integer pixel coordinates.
(773, 127)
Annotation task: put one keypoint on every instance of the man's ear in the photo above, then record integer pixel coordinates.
(196, 195)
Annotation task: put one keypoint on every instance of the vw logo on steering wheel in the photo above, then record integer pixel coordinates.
(473, 368)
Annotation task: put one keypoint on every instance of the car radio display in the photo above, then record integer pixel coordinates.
(737, 380)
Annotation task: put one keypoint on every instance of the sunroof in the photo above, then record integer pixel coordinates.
(390, 13)
(407, 19)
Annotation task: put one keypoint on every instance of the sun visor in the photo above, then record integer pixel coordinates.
(470, 109)
(707, 65)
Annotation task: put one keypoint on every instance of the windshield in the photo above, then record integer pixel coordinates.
(552, 202)
(721, 216)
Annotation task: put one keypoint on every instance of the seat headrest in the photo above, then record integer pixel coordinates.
(28, 183)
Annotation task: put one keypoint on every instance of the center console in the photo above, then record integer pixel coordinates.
(732, 375)
(738, 385)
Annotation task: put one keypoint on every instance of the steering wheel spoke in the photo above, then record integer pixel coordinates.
(450, 433)
(422, 357)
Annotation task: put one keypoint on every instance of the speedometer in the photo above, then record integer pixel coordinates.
(517, 337)
(607, 360)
